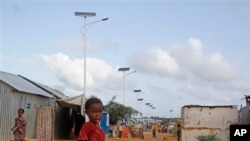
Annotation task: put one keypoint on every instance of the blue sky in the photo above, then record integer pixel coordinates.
(184, 51)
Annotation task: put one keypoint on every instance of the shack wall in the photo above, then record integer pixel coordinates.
(207, 120)
(10, 101)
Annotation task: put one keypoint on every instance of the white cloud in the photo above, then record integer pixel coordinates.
(196, 45)
(189, 62)
(156, 61)
(197, 75)
(69, 73)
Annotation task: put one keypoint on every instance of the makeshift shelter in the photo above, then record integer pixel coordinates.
(43, 115)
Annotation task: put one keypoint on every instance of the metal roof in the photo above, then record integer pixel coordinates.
(47, 89)
(23, 84)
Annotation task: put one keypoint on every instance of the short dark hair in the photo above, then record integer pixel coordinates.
(92, 100)
(21, 109)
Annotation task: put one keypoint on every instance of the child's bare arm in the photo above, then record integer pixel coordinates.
(14, 127)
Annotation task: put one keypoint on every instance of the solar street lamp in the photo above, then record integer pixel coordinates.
(85, 15)
(124, 75)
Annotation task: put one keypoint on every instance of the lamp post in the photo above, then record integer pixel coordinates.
(124, 70)
(85, 25)
(170, 116)
(154, 113)
(152, 107)
(147, 103)
(140, 99)
(137, 93)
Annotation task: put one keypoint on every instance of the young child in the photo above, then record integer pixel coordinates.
(19, 129)
(178, 132)
(120, 130)
(154, 134)
(91, 130)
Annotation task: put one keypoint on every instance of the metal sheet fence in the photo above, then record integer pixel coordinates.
(45, 124)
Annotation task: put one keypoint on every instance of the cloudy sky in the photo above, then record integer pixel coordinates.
(184, 52)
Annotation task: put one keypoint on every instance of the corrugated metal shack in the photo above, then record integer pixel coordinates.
(207, 120)
(42, 113)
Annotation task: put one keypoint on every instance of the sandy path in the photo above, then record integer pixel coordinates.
(148, 137)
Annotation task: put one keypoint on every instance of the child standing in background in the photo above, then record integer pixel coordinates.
(154, 134)
(91, 130)
(178, 132)
(120, 130)
(19, 129)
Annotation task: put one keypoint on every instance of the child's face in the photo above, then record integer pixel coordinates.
(95, 112)
(20, 113)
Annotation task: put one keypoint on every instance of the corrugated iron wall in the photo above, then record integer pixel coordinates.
(6, 112)
(10, 101)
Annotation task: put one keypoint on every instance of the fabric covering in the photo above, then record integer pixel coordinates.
(72, 102)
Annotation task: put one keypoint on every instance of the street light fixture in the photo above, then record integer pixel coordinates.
(124, 70)
(85, 25)
(170, 116)
(137, 93)
(138, 99)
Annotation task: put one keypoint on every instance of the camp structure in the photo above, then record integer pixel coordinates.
(207, 120)
(78, 101)
(42, 113)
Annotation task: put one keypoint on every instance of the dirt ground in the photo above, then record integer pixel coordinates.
(148, 137)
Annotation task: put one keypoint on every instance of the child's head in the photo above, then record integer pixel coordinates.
(20, 112)
(94, 108)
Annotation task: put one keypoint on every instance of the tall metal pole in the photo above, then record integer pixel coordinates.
(84, 65)
(170, 116)
(137, 94)
(123, 96)
(85, 15)
(124, 75)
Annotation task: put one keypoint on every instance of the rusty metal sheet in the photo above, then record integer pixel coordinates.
(45, 124)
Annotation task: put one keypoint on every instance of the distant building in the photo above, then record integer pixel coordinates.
(42, 112)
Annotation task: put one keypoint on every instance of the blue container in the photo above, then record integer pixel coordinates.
(105, 122)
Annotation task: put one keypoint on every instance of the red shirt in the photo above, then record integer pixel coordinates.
(91, 132)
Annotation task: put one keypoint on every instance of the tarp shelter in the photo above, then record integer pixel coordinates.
(72, 102)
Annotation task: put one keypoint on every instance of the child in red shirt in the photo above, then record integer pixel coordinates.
(20, 126)
(91, 130)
